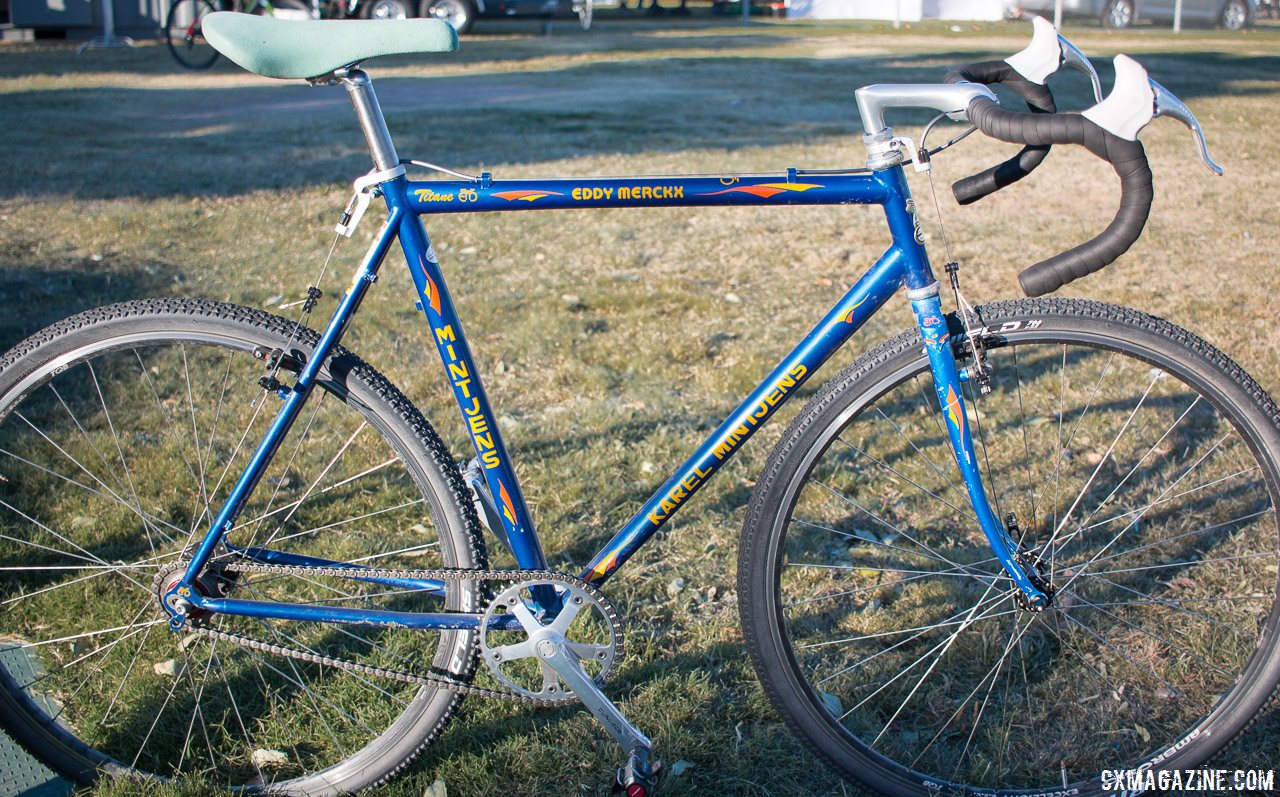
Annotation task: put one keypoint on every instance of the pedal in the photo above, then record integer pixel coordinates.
(639, 777)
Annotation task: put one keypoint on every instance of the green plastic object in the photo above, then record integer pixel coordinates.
(291, 48)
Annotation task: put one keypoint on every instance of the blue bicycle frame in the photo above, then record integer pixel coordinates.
(904, 264)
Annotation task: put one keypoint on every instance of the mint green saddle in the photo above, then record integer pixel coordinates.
(289, 48)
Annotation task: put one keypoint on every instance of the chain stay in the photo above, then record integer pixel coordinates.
(201, 628)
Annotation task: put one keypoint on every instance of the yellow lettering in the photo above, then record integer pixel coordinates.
(444, 334)
(474, 409)
(702, 474)
(461, 384)
(646, 192)
(478, 426)
(689, 482)
(449, 349)
(667, 506)
(577, 193)
(624, 193)
(723, 450)
(483, 441)
(458, 370)
(798, 371)
(679, 192)
(654, 517)
(774, 396)
(608, 193)
(490, 459)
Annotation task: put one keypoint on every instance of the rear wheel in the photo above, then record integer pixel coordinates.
(1139, 466)
(184, 36)
(460, 14)
(1117, 14)
(121, 432)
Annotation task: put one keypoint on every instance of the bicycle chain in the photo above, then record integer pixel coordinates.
(200, 628)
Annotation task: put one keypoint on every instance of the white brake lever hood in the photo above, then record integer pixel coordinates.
(1042, 56)
(1131, 103)
(1049, 51)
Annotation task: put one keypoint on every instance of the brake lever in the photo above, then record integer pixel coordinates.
(1168, 105)
(1047, 52)
(1135, 100)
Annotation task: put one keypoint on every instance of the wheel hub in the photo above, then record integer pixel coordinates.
(211, 584)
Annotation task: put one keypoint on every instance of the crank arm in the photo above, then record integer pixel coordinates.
(553, 652)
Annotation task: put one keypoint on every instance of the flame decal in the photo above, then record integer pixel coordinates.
(526, 196)
(765, 190)
(508, 510)
(605, 565)
(954, 411)
(433, 293)
(848, 317)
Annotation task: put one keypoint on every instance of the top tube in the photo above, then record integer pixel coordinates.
(792, 188)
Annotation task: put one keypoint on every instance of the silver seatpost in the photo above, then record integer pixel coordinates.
(360, 89)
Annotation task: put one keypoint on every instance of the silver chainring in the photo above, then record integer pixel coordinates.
(594, 638)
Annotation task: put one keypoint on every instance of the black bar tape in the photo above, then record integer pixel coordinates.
(1127, 158)
(1038, 98)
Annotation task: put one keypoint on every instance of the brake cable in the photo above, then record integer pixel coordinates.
(981, 371)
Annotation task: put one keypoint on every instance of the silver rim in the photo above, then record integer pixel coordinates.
(451, 11)
(1234, 16)
(387, 9)
(1120, 15)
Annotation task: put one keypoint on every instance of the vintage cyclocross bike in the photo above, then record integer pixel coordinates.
(1012, 550)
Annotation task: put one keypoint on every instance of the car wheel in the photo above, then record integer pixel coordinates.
(1117, 14)
(388, 9)
(461, 14)
(1235, 15)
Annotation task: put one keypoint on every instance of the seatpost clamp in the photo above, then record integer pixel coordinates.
(359, 203)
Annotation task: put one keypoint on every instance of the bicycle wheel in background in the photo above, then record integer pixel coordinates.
(183, 35)
(285, 9)
(1137, 463)
(121, 432)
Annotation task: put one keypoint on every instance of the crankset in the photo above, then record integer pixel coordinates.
(576, 594)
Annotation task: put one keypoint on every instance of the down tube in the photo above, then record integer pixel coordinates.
(861, 302)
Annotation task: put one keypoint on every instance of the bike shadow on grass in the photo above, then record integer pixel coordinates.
(120, 142)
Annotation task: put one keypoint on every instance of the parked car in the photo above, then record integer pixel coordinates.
(1117, 14)
(462, 14)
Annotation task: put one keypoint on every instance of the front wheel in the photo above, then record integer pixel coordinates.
(1135, 464)
(184, 36)
(460, 14)
(122, 431)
